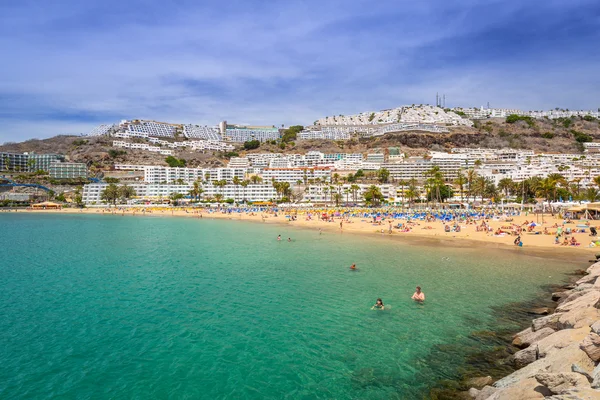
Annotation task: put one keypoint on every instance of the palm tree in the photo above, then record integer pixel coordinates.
(244, 184)
(354, 189)
(460, 181)
(471, 177)
(236, 182)
(110, 194)
(479, 186)
(591, 194)
(506, 185)
(255, 179)
(347, 193)
(126, 192)
(373, 195)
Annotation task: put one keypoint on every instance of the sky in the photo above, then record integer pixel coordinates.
(69, 66)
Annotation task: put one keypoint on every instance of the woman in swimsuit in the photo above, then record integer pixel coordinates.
(379, 305)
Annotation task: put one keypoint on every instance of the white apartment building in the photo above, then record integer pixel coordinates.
(293, 175)
(240, 135)
(202, 132)
(142, 146)
(153, 192)
(238, 162)
(326, 193)
(417, 168)
(101, 130)
(151, 128)
(160, 174)
(92, 192)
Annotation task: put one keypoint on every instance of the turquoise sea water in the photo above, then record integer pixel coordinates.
(98, 307)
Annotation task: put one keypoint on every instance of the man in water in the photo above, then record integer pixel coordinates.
(279, 238)
(289, 239)
(418, 295)
(353, 266)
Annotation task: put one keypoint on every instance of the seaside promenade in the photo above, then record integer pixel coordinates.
(492, 228)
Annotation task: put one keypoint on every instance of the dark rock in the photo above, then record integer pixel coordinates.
(479, 382)
(525, 356)
(540, 311)
(528, 336)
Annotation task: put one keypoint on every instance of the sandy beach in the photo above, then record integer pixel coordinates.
(497, 232)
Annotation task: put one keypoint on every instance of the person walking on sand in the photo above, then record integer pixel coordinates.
(418, 295)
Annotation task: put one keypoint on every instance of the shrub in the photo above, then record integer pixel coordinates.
(116, 153)
(581, 137)
(547, 135)
(175, 162)
(230, 154)
(251, 144)
(589, 118)
(512, 118)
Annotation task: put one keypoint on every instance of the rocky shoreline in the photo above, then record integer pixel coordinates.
(560, 352)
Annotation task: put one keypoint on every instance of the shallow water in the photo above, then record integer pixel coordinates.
(133, 307)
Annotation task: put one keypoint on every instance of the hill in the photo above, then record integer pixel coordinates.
(543, 135)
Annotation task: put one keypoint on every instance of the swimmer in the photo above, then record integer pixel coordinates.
(353, 266)
(289, 239)
(279, 238)
(418, 295)
(378, 305)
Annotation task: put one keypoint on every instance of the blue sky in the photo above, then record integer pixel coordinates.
(70, 65)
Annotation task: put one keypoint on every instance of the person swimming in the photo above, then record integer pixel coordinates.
(418, 295)
(378, 305)
(279, 237)
(289, 239)
(353, 266)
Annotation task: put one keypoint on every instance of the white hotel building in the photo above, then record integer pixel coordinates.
(293, 175)
(151, 192)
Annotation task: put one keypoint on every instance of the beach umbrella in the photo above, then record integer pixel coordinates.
(533, 224)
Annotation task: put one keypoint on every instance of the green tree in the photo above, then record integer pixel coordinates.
(110, 194)
(354, 189)
(460, 181)
(175, 162)
(126, 192)
(251, 144)
(383, 175)
(373, 196)
(175, 197)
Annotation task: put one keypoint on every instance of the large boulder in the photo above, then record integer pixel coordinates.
(596, 377)
(589, 299)
(593, 268)
(528, 389)
(575, 293)
(484, 393)
(556, 296)
(596, 327)
(577, 394)
(479, 382)
(561, 339)
(557, 360)
(526, 356)
(549, 321)
(591, 346)
(528, 336)
(578, 318)
(557, 383)
(587, 279)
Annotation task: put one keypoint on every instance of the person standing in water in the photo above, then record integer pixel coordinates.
(279, 238)
(418, 295)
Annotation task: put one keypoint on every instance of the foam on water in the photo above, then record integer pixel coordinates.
(121, 307)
